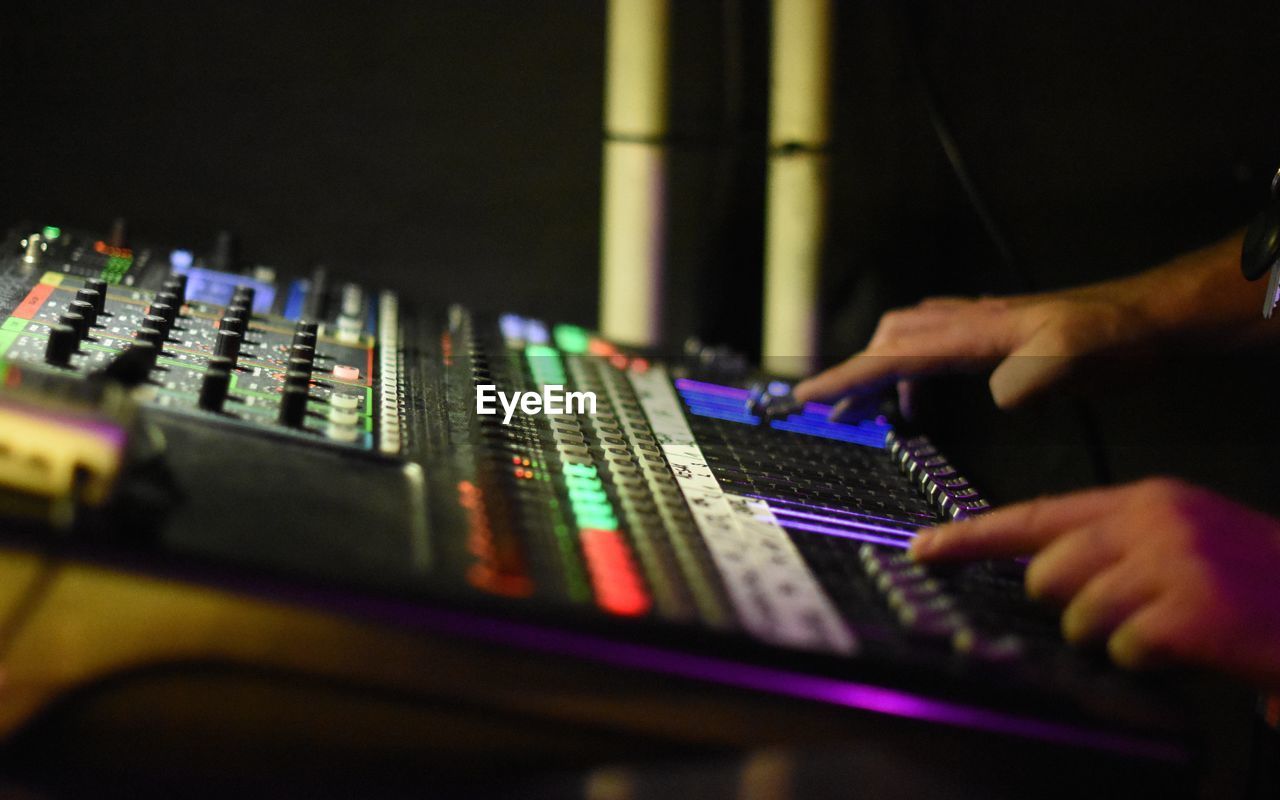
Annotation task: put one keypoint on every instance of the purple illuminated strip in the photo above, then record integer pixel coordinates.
(729, 403)
(843, 533)
(833, 520)
(775, 501)
(728, 416)
(831, 691)
(685, 384)
(715, 400)
(833, 430)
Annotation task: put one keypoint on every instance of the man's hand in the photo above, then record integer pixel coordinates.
(1034, 341)
(1162, 571)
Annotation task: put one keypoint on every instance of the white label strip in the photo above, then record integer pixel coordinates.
(388, 374)
(776, 596)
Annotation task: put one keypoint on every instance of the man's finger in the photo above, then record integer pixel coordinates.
(1066, 564)
(863, 373)
(1029, 370)
(1154, 636)
(1106, 601)
(1017, 530)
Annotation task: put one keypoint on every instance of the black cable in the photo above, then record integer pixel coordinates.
(1086, 418)
(942, 130)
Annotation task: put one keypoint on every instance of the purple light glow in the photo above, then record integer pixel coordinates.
(831, 691)
(843, 534)
(870, 436)
(841, 511)
(833, 520)
(686, 384)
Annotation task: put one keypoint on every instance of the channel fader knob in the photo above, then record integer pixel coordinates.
(293, 405)
(216, 383)
(94, 298)
(63, 341)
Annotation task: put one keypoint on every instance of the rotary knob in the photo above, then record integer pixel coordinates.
(293, 405)
(63, 341)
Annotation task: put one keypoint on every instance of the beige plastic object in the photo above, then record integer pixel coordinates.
(795, 208)
(632, 232)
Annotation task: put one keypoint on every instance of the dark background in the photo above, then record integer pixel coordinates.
(452, 149)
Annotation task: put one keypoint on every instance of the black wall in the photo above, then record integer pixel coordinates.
(452, 149)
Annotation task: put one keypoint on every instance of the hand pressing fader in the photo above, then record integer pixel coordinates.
(1035, 342)
(1163, 572)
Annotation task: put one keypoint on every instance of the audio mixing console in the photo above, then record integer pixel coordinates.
(317, 434)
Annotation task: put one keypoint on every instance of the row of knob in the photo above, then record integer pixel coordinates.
(76, 323)
(84, 313)
(921, 462)
(164, 311)
(927, 609)
(232, 331)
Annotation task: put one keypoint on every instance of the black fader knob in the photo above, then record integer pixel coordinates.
(221, 362)
(85, 309)
(76, 321)
(158, 322)
(176, 285)
(100, 286)
(214, 388)
(293, 405)
(227, 344)
(146, 353)
(166, 312)
(237, 310)
(134, 364)
(168, 299)
(305, 333)
(234, 323)
(63, 341)
(244, 296)
(298, 378)
(153, 335)
(94, 298)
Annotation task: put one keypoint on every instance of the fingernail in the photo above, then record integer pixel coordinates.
(838, 410)
(921, 545)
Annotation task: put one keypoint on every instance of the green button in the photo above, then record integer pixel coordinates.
(585, 482)
(14, 324)
(51, 232)
(583, 495)
(541, 351)
(586, 470)
(571, 338)
(604, 520)
(592, 508)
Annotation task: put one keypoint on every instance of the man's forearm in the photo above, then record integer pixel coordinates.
(1200, 297)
